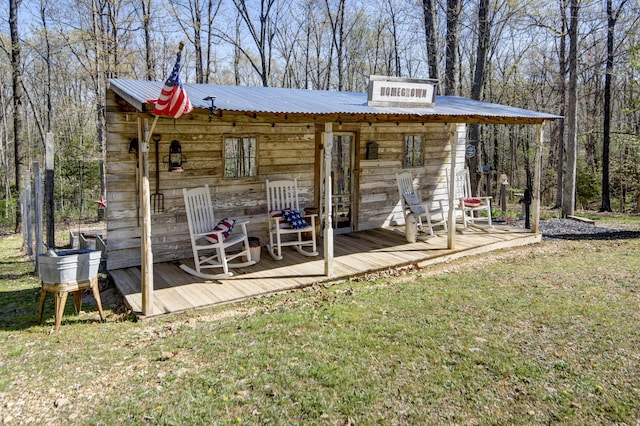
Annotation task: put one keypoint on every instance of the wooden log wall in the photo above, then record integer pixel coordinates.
(379, 199)
(286, 150)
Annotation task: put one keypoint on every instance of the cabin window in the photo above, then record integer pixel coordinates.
(240, 157)
(413, 151)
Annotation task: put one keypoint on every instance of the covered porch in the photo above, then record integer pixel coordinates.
(355, 254)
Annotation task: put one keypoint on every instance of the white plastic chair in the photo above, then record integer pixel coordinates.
(211, 247)
(282, 198)
(433, 213)
(471, 206)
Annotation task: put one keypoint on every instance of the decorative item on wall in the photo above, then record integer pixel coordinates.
(133, 147)
(372, 151)
(175, 157)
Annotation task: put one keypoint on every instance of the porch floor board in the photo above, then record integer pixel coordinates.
(354, 254)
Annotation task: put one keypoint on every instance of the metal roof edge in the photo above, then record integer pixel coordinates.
(305, 102)
(124, 94)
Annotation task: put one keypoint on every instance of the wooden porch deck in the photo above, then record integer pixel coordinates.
(354, 254)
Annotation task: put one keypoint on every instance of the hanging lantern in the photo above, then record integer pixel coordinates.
(175, 157)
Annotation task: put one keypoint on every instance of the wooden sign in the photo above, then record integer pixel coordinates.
(401, 92)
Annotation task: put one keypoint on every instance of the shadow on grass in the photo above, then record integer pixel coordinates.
(19, 310)
(14, 276)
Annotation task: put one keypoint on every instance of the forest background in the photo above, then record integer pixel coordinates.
(579, 59)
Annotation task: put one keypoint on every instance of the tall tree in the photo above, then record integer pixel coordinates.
(211, 14)
(431, 35)
(189, 16)
(484, 38)
(4, 149)
(451, 55)
(262, 34)
(569, 187)
(394, 39)
(100, 71)
(48, 61)
(18, 93)
(612, 17)
(149, 72)
(562, 91)
(337, 26)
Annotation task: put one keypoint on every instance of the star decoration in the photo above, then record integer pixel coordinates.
(102, 202)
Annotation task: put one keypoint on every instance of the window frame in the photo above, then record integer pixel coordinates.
(405, 155)
(226, 158)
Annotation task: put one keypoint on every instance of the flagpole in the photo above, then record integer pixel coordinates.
(173, 102)
(153, 126)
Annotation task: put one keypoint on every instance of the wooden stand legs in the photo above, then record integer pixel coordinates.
(61, 291)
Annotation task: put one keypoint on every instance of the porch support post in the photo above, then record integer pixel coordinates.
(146, 255)
(327, 144)
(451, 225)
(535, 225)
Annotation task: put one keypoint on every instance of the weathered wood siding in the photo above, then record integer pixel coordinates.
(285, 150)
(379, 201)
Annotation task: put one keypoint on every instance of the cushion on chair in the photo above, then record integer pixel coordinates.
(226, 226)
(278, 214)
(413, 202)
(472, 202)
(294, 219)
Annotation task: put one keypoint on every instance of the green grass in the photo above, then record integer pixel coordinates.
(614, 219)
(537, 335)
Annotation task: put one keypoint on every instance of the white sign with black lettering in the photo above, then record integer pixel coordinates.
(401, 92)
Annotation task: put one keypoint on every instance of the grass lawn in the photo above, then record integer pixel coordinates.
(547, 334)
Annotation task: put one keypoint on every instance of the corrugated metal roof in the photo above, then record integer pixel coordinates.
(316, 102)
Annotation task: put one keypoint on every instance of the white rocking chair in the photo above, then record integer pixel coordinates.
(433, 213)
(470, 206)
(282, 201)
(210, 240)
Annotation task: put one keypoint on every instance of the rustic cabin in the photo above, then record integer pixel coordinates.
(238, 138)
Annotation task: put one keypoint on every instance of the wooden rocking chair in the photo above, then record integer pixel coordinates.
(211, 240)
(286, 221)
(433, 213)
(470, 206)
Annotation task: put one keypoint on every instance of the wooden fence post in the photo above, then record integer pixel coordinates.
(37, 189)
(48, 190)
(27, 231)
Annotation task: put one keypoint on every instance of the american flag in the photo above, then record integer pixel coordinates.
(173, 100)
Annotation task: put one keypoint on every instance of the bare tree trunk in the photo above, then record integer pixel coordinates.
(562, 90)
(193, 27)
(112, 43)
(211, 14)
(262, 36)
(568, 196)
(148, 46)
(99, 32)
(431, 34)
(307, 46)
(47, 58)
(337, 27)
(237, 52)
(394, 40)
(484, 37)
(18, 93)
(196, 18)
(4, 151)
(453, 18)
(612, 17)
